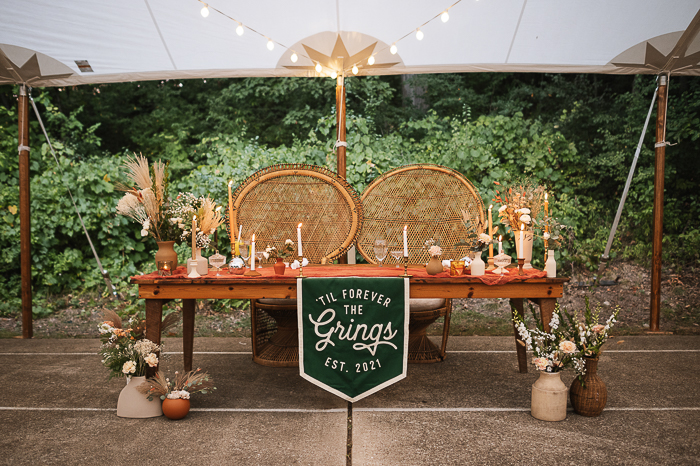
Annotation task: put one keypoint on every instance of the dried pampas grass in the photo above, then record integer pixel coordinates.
(139, 171)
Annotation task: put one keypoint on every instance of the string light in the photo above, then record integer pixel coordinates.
(393, 49)
(294, 57)
(240, 30)
(370, 60)
(334, 75)
(445, 17)
(355, 69)
(318, 68)
(270, 45)
(205, 10)
(419, 34)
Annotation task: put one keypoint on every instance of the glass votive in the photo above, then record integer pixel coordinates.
(165, 268)
(456, 268)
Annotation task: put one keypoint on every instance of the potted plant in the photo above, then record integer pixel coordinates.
(126, 352)
(552, 354)
(588, 391)
(176, 392)
(272, 252)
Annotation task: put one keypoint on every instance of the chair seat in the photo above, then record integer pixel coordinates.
(278, 301)
(426, 304)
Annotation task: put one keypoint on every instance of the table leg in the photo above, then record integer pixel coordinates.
(517, 305)
(188, 331)
(547, 311)
(154, 317)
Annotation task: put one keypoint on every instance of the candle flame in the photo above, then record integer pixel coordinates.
(194, 218)
(491, 206)
(230, 183)
(499, 238)
(299, 226)
(405, 227)
(545, 197)
(522, 226)
(218, 209)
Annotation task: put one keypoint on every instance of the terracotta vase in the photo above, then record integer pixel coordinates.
(279, 266)
(176, 408)
(134, 404)
(549, 396)
(527, 247)
(434, 266)
(588, 397)
(166, 252)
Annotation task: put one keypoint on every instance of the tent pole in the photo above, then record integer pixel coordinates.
(25, 227)
(341, 144)
(658, 222)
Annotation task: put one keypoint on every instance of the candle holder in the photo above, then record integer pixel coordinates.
(502, 261)
(193, 272)
(456, 268)
(165, 268)
(301, 267)
(405, 268)
(521, 263)
(546, 247)
(491, 263)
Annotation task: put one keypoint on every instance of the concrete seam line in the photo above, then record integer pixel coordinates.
(270, 410)
(469, 410)
(24, 408)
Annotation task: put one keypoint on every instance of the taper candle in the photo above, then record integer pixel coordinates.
(230, 212)
(252, 253)
(194, 237)
(521, 252)
(405, 241)
(490, 231)
(546, 213)
(500, 244)
(299, 239)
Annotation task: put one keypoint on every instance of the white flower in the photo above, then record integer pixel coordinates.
(152, 360)
(266, 254)
(502, 209)
(129, 367)
(289, 241)
(179, 394)
(105, 328)
(146, 224)
(525, 218)
(546, 235)
(484, 238)
(144, 232)
(524, 210)
(435, 251)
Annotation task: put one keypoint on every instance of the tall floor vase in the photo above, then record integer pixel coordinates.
(549, 396)
(589, 395)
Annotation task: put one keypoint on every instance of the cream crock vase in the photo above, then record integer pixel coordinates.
(549, 397)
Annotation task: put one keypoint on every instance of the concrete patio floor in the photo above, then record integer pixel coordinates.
(57, 407)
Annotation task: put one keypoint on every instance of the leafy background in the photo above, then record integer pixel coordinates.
(576, 134)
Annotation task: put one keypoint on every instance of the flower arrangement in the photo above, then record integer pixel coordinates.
(146, 199)
(209, 218)
(584, 329)
(433, 248)
(521, 203)
(272, 252)
(553, 352)
(182, 387)
(127, 351)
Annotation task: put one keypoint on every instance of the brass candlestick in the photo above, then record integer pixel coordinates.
(491, 266)
(546, 246)
(301, 267)
(521, 262)
(405, 268)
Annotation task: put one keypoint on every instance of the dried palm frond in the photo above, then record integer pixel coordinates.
(208, 217)
(130, 206)
(159, 181)
(169, 321)
(157, 386)
(139, 172)
(110, 316)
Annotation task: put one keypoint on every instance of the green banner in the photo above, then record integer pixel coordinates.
(353, 333)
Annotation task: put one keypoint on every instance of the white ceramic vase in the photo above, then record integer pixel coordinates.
(134, 404)
(551, 265)
(527, 247)
(478, 267)
(549, 397)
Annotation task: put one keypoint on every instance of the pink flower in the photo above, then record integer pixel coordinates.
(598, 328)
(540, 363)
(567, 347)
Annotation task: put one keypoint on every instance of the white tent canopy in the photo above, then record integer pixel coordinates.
(68, 42)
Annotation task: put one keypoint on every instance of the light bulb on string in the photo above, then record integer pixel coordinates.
(445, 17)
(239, 30)
(294, 57)
(419, 34)
(355, 69)
(334, 74)
(393, 49)
(318, 68)
(370, 60)
(205, 10)
(270, 44)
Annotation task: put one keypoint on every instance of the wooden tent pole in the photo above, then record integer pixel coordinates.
(25, 227)
(658, 216)
(341, 143)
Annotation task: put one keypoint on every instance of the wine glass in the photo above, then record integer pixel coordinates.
(397, 254)
(259, 258)
(380, 250)
(244, 250)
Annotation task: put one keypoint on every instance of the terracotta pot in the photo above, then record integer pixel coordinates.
(133, 404)
(434, 266)
(588, 397)
(279, 266)
(166, 252)
(549, 396)
(176, 409)
(527, 247)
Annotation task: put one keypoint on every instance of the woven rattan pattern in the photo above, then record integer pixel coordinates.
(273, 201)
(427, 198)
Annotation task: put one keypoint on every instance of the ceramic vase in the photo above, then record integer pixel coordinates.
(166, 252)
(176, 408)
(434, 266)
(527, 247)
(279, 266)
(202, 263)
(589, 395)
(133, 404)
(549, 396)
(478, 267)
(550, 266)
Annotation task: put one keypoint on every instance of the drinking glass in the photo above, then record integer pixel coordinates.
(259, 258)
(244, 250)
(380, 250)
(397, 255)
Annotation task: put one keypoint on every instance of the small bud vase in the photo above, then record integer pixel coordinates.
(434, 266)
(478, 267)
(279, 266)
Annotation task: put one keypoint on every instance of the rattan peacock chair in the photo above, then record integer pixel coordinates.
(271, 203)
(432, 200)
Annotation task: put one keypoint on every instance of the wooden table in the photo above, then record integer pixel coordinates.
(158, 291)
